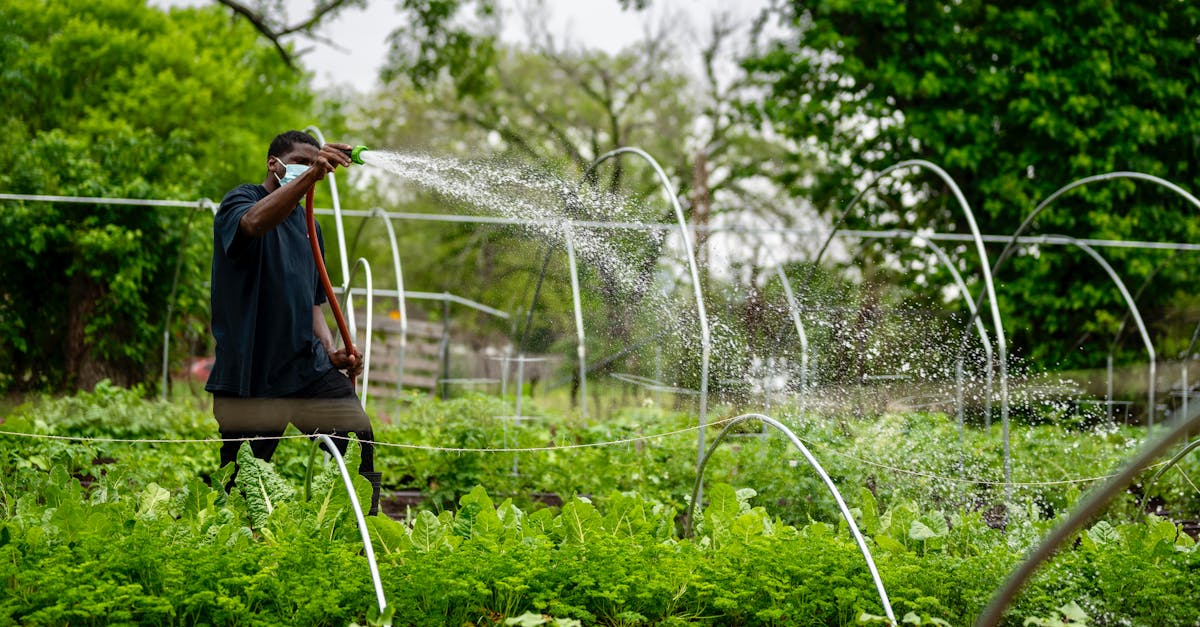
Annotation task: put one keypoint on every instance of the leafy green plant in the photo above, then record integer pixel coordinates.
(178, 549)
(1069, 615)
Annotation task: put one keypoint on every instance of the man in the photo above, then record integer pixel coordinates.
(275, 360)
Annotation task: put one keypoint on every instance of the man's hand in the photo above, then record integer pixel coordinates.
(329, 158)
(350, 361)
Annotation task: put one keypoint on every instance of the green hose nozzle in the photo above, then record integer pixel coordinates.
(355, 154)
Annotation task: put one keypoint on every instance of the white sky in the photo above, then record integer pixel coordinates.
(601, 24)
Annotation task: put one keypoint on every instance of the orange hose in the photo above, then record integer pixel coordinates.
(320, 261)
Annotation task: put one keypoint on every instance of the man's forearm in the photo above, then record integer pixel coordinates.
(272, 210)
(321, 330)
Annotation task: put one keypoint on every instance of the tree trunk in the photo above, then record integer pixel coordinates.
(83, 368)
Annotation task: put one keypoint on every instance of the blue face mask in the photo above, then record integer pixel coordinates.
(291, 171)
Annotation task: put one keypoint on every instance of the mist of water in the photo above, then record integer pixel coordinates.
(546, 205)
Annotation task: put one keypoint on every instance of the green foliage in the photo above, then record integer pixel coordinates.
(1014, 102)
(261, 486)
(145, 540)
(114, 98)
(432, 43)
(1069, 615)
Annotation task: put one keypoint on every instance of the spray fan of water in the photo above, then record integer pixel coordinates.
(547, 205)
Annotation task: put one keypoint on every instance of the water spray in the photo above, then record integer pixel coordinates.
(355, 155)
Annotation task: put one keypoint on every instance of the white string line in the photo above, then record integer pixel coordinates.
(536, 449)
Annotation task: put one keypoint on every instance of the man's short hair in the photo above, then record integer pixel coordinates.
(283, 142)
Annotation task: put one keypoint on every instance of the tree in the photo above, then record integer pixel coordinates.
(113, 98)
(451, 86)
(1014, 100)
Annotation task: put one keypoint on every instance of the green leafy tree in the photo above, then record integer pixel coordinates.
(111, 98)
(1014, 100)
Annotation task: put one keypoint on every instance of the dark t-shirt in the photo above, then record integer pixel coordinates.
(263, 293)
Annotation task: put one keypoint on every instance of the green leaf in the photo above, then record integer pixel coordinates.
(1103, 533)
(222, 475)
(387, 534)
(870, 512)
(743, 497)
(375, 618)
(197, 497)
(578, 520)
(890, 544)
(928, 527)
(153, 502)
(528, 619)
(428, 533)
(262, 487)
(510, 515)
(1164, 530)
(476, 516)
(723, 507)
(1074, 614)
(920, 531)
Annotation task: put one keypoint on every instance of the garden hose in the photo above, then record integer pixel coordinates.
(319, 260)
(355, 155)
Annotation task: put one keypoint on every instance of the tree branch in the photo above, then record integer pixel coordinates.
(264, 24)
(320, 12)
(259, 21)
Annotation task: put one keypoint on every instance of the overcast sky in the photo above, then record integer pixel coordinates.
(589, 23)
(601, 24)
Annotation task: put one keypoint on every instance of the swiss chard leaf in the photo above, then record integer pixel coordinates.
(578, 521)
(262, 487)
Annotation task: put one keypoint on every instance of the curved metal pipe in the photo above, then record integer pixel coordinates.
(1192, 346)
(368, 549)
(1025, 224)
(201, 205)
(337, 211)
(1187, 358)
(1133, 310)
(348, 306)
(812, 461)
(983, 335)
(705, 339)
(1191, 446)
(399, 297)
(1008, 249)
(794, 310)
(581, 347)
(1118, 336)
(1090, 507)
(990, 289)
